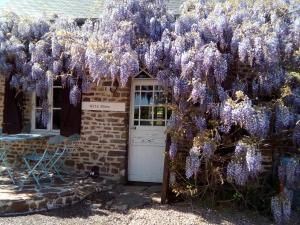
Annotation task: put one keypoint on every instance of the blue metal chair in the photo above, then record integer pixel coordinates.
(70, 145)
(53, 164)
(73, 138)
(38, 164)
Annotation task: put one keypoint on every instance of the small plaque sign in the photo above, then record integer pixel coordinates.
(104, 106)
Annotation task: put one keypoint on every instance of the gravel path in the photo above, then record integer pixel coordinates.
(84, 214)
(134, 205)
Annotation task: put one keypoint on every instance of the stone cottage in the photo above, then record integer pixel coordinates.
(122, 129)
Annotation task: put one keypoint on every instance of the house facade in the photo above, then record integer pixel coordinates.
(122, 128)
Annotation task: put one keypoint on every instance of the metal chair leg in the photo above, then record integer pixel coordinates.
(9, 171)
(53, 162)
(31, 173)
(4, 161)
(31, 170)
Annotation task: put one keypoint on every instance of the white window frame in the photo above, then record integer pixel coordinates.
(50, 111)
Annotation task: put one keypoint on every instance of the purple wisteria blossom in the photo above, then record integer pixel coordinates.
(254, 161)
(199, 92)
(75, 95)
(180, 88)
(192, 164)
(174, 122)
(200, 123)
(246, 163)
(296, 135)
(237, 173)
(208, 150)
(173, 150)
(281, 206)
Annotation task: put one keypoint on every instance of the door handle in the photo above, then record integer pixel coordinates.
(133, 128)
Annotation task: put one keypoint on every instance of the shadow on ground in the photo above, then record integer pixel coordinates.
(119, 199)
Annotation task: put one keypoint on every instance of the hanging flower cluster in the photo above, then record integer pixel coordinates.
(192, 162)
(288, 172)
(244, 114)
(246, 163)
(296, 135)
(281, 206)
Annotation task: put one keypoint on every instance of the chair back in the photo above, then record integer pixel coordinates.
(71, 142)
(2, 153)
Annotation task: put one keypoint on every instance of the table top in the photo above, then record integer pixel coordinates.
(22, 137)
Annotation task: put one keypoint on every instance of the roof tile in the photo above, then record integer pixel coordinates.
(66, 8)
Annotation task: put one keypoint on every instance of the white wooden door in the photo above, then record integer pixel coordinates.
(147, 131)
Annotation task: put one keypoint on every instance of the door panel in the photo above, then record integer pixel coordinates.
(146, 164)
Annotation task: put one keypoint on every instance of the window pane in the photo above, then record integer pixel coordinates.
(146, 123)
(159, 123)
(136, 122)
(146, 112)
(57, 98)
(147, 98)
(137, 87)
(147, 88)
(56, 119)
(159, 98)
(38, 120)
(159, 113)
(137, 98)
(158, 87)
(136, 112)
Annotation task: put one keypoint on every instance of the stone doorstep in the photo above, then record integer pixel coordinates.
(14, 195)
(50, 201)
(28, 207)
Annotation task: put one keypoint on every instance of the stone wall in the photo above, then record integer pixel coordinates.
(104, 135)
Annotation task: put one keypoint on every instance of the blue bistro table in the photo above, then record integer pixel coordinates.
(8, 140)
(22, 137)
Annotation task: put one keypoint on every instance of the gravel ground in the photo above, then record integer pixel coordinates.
(134, 205)
(84, 214)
